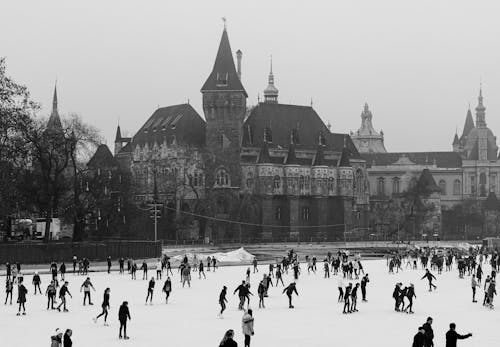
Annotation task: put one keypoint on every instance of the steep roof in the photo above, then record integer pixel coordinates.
(319, 157)
(456, 141)
(264, 154)
(344, 158)
(283, 119)
(426, 183)
(181, 122)
(102, 158)
(223, 67)
(54, 122)
(118, 136)
(441, 159)
(291, 158)
(468, 125)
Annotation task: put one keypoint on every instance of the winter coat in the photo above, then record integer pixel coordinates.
(55, 341)
(229, 343)
(123, 313)
(167, 287)
(418, 340)
(452, 336)
(247, 324)
(67, 341)
(21, 293)
(429, 335)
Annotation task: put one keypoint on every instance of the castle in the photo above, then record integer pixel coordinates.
(274, 168)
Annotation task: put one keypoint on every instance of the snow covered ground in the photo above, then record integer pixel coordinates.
(190, 317)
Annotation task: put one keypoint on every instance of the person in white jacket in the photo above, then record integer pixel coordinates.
(159, 270)
(247, 326)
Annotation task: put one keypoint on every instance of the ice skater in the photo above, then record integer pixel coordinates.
(326, 268)
(364, 282)
(247, 326)
(222, 301)
(9, 286)
(289, 291)
(201, 271)
(62, 295)
(51, 294)
(86, 285)
(347, 298)
(167, 288)
(151, 288)
(36, 282)
(123, 315)
(105, 307)
(261, 290)
(354, 298)
(186, 276)
(108, 260)
(340, 285)
(21, 297)
(144, 268)
(429, 333)
(227, 340)
(159, 270)
(121, 263)
(474, 285)
(254, 263)
(452, 336)
(279, 276)
(419, 338)
(429, 277)
(410, 294)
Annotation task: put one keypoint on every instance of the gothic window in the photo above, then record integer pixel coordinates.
(331, 184)
(277, 182)
(473, 185)
(442, 187)
(396, 185)
(278, 213)
(381, 186)
(249, 180)
(306, 213)
(457, 187)
(301, 182)
(482, 184)
(493, 180)
(308, 182)
(358, 181)
(222, 178)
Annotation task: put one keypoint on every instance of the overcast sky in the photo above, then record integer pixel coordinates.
(417, 63)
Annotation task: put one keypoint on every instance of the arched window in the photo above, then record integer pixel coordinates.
(457, 187)
(277, 182)
(381, 186)
(396, 185)
(222, 178)
(442, 187)
(249, 180)
(278, 213)
(482, 184)
(331, 184)
(306, 213)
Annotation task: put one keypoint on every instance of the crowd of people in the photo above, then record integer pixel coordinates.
(349, 270)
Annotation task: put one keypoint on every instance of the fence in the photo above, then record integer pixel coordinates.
(36, 253)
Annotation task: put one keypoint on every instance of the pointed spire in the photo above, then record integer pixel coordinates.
(54, 121)
(224, 75)
(344, 157)
(264, 157)
(480, 109)
(469, 124)
(319, 157)
(54, 99)
(118, 136)
(271, 92)
(291, 158)
(455, 139)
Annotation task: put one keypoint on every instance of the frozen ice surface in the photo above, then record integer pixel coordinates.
(190, 317)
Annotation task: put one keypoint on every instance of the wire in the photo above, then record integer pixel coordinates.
(254, 224)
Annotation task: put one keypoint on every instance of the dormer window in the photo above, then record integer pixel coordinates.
(268, 135)
(222, 79)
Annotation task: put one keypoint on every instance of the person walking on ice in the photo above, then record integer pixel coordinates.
(167, 288)
(222, 301)
(86, 285)
(201, 270)
(105, 307)
(123, 315)
(247, 326)
(289, 291)
(151, 288)
(429, 277)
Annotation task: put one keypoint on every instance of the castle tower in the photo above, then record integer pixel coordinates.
(118, 140)
(482, 130)
(271, 92)
(367, 139)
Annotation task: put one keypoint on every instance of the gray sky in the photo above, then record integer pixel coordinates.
(417, 63)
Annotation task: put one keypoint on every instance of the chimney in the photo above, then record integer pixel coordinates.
(238, 59)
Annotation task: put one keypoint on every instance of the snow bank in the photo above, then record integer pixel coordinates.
(239, 255)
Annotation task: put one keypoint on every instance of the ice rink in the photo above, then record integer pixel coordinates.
(190, 317)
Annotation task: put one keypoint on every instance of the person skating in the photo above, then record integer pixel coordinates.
(108, 260)
(486, 286)
(186, 276)
(222, 301)
(36, 282)
(21, 297)
(429, 277)
(62, 295)
(354, 298)
(167, 288)
(491, 293)
(144, 268)
(340, 285)
(326, 268)
(242, 292)
(347, 298)
(289, 291)
(9, 287)
(214, 263)
(410, 294)
(452, 336)
(67, 342)
(419, 338)
(479, 273)
(429, 333)
(133, 270)
(86, 285)
(396, 296)
(364, 282)
(123, 315)
(159, 269)
(474, 285)
(51, 294)
(247, 326)
(105, 307)
(151, 288)
(62, 271)
(254, 263)
(121, 263)
(75, 260)
(261, 290)
(227, 340)
(201, 270)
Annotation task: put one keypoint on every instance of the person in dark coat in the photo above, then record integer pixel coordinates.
(429, 333)
(36, 282)
(419, 338)
(123, 315)
(364, 282)
(452, 336)
(21, 298)
(67, 338)
(222, 301)
(430, 277)
(227, 340)
(289, 291)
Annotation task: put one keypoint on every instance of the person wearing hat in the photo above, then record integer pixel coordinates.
(419, 338)
(429, 333)
(452, 336)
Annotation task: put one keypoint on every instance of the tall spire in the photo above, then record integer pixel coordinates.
(224, 75)
(54, 99)
(54, 121)
(118, 134)
(271, 92)
(480, 109)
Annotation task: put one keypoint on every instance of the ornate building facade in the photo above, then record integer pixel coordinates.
(268, 172)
